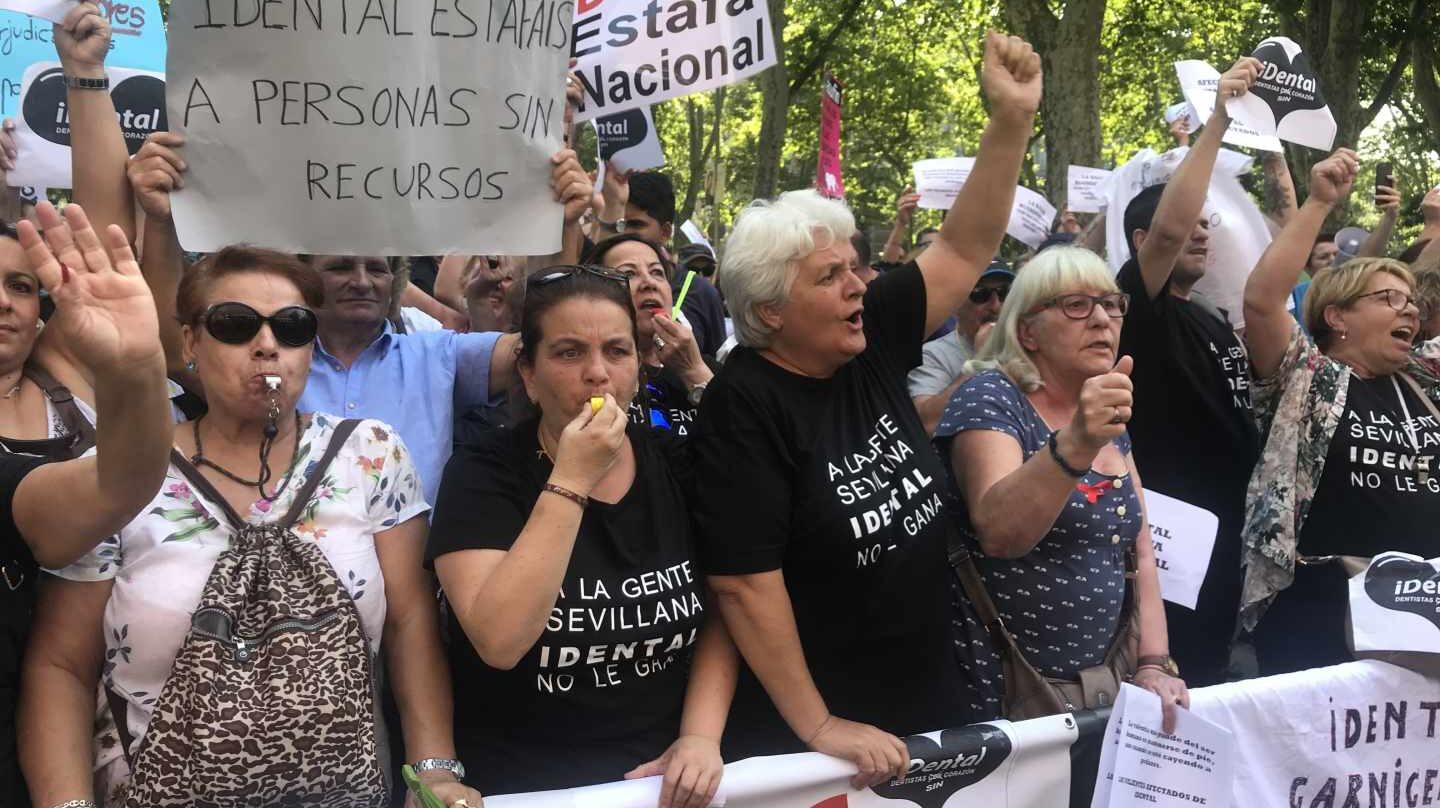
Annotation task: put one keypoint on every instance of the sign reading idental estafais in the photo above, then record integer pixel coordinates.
(42, 129)
(369, 127)
(634, 53)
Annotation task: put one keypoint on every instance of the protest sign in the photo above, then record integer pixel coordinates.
(634, 53)
(1238, 235)
(42, 129)
(827, 168)
(1141, 766)
(694, 235)
(1082, 191)
(1186, 110)
(1395, 605)
(1184, 539)
(52, 10)
(628, 140)
(1285, 103)
(939, 181)
(137, 41)
(405, 130)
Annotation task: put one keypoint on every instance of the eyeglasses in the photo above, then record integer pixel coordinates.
(560, 273)
(981, 295)
(1080, 306)
(1394, 298)
(236, 324)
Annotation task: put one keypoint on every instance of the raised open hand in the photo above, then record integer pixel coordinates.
(1011, 75)
(103, 309)
(83, 40)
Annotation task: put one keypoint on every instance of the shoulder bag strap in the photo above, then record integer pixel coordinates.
(974, 585)
(1420, 394)
(79, 427)
(302, 498)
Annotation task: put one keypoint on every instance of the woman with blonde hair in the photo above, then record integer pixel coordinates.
(1047, 496)
(1348, 468)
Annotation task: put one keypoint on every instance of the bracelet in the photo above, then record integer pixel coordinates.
(819, 729)
(450, 765)
(1060, 461)
(83, 83)
(76, 804)
(578, 499)
(1149, 668)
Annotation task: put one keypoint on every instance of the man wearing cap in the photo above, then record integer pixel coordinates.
(942, 359)
(702, 305)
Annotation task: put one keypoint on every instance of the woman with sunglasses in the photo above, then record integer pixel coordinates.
(248, 321)
(1047, 495)
(1349, 463)
(565, 551)
(675, 372)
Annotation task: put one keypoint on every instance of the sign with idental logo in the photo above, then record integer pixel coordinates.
(1395, 605)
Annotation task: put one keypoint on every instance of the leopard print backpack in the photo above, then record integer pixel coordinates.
(272, 699)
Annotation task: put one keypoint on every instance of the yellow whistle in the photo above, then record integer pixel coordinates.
(596, 402)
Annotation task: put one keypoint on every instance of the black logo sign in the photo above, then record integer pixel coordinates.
(963, 758)
(1287, 86)
(1405, 585)
(621, 131)
(139, 104)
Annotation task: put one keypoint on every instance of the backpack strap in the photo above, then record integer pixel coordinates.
(79, 431)
(302, 498)
(204, 486)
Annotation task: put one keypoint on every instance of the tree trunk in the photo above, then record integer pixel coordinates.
(775, 95)
(701, 148)
(1334, 37)
(1070, 102)
(1427, 86)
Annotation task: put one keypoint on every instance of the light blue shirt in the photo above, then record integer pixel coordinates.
(414, 382)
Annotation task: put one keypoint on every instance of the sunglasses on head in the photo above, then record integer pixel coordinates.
(981, 295)
(236, 324)
(560, 273)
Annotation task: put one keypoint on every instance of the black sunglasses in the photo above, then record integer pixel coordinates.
(981, 295)
(560, 273)
(236, 324)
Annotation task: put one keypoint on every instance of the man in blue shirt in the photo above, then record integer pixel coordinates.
(415, 382)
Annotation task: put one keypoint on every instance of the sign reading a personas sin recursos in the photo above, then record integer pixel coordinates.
(634, 53)
(387, 128)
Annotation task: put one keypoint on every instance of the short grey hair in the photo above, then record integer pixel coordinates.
(1053, 272)
(770, 239)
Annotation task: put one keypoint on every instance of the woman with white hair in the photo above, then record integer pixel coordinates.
(1046, 486)
(821, 518)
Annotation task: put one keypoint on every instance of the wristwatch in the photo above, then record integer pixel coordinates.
(455, 767)
(696, 393)
(83, 83)
(616, 226)
(1162, 661)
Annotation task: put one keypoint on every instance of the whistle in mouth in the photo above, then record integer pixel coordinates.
(596, 402)
(272, 383)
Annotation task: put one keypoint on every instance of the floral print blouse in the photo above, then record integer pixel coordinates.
(1298, 410)
(159, 563)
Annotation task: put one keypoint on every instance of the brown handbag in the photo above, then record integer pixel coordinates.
(1030, 694)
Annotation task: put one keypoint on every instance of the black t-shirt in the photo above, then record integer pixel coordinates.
(668, 398)
(1194, 439)
(1377, 491)
(17, 600)
(601, 692)
(833, 481)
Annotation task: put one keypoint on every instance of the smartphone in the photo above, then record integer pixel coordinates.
(422, 793)
(1384, 176)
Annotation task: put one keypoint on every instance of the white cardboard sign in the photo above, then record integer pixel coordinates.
(1184, 540)
(1140, 766)
(1395, 604)
(52, 10)
(633, 53)
(1183, 108)
(1285, 103)
(1083, 185)
(628, 140)
(403, 129)
(938, 182)
(694, 234)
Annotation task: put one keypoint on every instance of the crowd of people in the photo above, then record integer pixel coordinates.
(276, 524)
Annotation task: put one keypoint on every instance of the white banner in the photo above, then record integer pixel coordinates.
(52, 10)
(1395, 605)
(939, 181)
(1184, 540)
(1021, 765)
(634, 53)
(1360, 734)
(408, 129)
(629, 140)
(42, 129)
(1238, 235)
(1082, 191)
